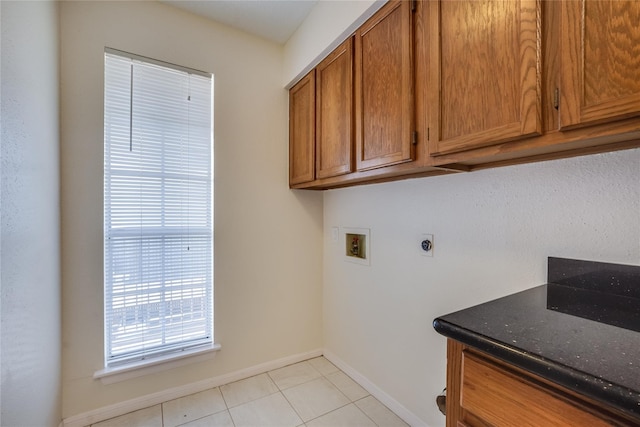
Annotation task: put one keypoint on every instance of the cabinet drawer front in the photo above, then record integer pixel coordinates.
(500, 398)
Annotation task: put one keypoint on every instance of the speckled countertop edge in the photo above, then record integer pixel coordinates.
(618, 397)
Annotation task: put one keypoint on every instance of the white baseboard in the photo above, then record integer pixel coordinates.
(406, 415)
(121, 408)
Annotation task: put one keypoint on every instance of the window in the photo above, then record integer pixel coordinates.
(158, 199)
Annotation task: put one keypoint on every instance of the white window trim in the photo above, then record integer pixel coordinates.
(156, 364)
(156, 62)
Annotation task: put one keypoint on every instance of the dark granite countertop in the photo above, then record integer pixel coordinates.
(594, 351)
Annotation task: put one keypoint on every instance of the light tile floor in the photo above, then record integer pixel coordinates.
(310, 393)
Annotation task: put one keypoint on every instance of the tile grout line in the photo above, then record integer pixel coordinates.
(225, 400)
(362, 410)
(324, 376)
(285, 396)
(351, 402)
(294, 409)
(226, 405)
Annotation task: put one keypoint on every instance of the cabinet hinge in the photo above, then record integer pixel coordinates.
(428, 133)
(414, 138)
(556, 98)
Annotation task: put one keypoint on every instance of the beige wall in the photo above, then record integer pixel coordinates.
(30, 216)
(268, 253)
(493, 231)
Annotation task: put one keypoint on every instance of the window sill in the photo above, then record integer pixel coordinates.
(158, 364)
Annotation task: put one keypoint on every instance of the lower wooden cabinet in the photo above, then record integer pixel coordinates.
(483, 391)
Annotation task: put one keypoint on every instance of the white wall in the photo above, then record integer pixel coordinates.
(493, 231)
(30, 290)
(268, 271)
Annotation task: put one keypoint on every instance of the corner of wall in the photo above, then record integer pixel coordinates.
(30, 202)
(328, 24)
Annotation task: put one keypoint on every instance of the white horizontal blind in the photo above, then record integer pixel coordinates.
(158, 225)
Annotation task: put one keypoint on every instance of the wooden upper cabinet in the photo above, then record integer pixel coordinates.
(484, 73)
(600, 58)
(334, 112)
(302, 130)
(384, 87)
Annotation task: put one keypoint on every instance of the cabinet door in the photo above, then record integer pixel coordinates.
(334, 112)
(600, 61)
(384, 87)
(485, 61)
(302, 130)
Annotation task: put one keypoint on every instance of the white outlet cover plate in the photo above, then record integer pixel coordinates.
(419, 244)
(335, 234)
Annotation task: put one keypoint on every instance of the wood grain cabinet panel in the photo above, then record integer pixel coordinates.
(483, 391)
(302, 130)
(334, 112)
(424, 88)
(485, 61)
(503, 399)
(384, 87)
(600, 61)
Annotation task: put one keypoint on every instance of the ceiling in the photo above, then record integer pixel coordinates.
(274, 20)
